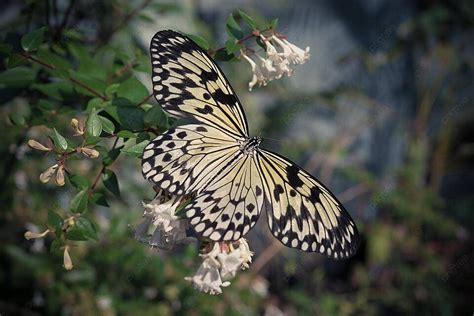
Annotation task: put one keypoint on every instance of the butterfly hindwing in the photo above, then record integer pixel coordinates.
(302, 213)
(187, 82)
(230, 205)
(184, 159)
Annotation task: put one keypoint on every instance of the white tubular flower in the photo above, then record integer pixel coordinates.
(208, 278)
(291, 52)
(268, 71)
(221, 264)
(230, 263)
(48, 173)
(245, 253)
(160, 222)
(258, 77)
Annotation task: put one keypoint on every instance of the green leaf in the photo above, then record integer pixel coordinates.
(86, 79)
(99, 199)
(86, 227)
(94, 125)
(201, 41)
(223, 56)
(16, 60)
(129, 117)
(142, 137)
(232, 45)
(92, 140)
(156, 117)
(6, 48)
(79, 202)
(136, 150)
(110, 182)
(233, 28)
(59, 141)
(112, 89)
(33, 40)
(76, 234)
(126, 134)
(79, 182)
(17, 77)
(133, 90)
(108, 157)
(54, 220)
(107, 125)
(273, 24)
(57, 90)
(60, 65)
(56, 246)
(248, 19)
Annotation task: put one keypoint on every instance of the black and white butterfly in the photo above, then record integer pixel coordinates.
(230, 176)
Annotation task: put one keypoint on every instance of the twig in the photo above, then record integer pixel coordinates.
(255, 33)
(145, 99)
(122, 70)
(66, 16)
(101, 171)
(73, 80)
(125, 21)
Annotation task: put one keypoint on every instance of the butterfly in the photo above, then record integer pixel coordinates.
(230, 177)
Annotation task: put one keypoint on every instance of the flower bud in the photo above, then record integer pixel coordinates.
(32, 235)
(89, 152)
(77, 126)
(60, 176)
(48, 173)
(67, 259)
(37, 145)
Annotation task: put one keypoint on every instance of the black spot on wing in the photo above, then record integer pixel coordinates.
(181, 135)
(293, 177)
(205, 110)
(277, 191)
(221, 97)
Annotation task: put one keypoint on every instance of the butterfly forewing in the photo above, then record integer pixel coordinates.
(186, 82)
(230, 178)
(184, 159)
(302, 213)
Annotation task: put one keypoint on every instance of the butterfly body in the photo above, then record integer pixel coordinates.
(231, 178)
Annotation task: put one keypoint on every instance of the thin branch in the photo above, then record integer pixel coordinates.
(47, 15)
(101, 171)
(145, 99)
(122, 70)
(125, 21)
(73, 80)
(91, 90)
(255, 33)
(66, 16)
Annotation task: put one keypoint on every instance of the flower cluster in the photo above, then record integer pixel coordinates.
(280, 56)
(161, 226)
(220, 264)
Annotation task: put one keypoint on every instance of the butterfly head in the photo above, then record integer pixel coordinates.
(249, 145)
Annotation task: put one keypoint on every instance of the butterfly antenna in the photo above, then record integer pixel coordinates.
(274, 139)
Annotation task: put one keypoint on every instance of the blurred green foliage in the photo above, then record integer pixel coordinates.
(415, 256)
